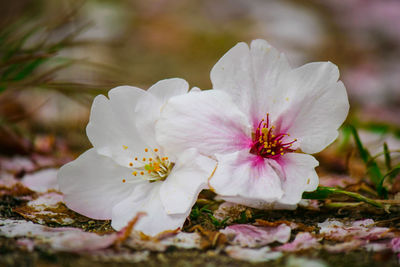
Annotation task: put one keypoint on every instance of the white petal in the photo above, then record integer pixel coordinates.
(146, 198)
(300, 176)
(165, 89)
(252, 77)
(317, 108)
(188, 177)
(92, 184)
(208, 121)
(112, 129)
(150, 105)
(195, 89)
(241, 174)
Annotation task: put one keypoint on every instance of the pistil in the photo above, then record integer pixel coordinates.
(152, 169)
(268, 143)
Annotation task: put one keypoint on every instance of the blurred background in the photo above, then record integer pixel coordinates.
(55, 56)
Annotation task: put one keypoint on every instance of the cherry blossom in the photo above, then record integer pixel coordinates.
(260, 122)
(127, 171)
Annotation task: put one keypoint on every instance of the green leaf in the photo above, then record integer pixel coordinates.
(363, 152)
(214, 220)
(386, 152)
(323, 192)
(392, 173)
(373, 170)
(195, 213)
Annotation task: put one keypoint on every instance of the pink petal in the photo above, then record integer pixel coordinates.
(208, 121)
(302, 241)
(245, 175)
(247, 235)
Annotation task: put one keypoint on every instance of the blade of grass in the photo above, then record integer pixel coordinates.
(373, 170)
(391, 174)
(386, 152)
(323, 192)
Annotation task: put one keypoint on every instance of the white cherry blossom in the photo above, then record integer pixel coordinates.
(127, 171)
(261, 121)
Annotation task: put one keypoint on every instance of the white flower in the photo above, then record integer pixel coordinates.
(258, 122)
(127, 171)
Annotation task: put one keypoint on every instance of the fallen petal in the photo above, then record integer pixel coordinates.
(42, 180)
(252, 254)
(302, 241)
(246, 235)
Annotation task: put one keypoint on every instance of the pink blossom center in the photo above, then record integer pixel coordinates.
(268, 142)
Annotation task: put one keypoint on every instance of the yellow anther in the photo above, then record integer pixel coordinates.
(141, 173)
(273, 136)
(123, 180)
(272, 153)
(166, 158)
(272, 127)
(149, 171)
(130, 164)
(136, 158)
(144, 159)
(155, 150)
(282, 153)
(134, 173)
(150, 159)
(124, 147)
(308, 181)
(287, 98)
(281, 149)
(269, 151)
(146, 150)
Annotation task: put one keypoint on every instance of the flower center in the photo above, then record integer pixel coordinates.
(268, 143)
(152, 169)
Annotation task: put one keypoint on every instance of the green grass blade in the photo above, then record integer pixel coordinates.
(374, 173)
(324, 192)
(386, 152)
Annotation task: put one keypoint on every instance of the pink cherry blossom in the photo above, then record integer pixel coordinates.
(260, 122)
